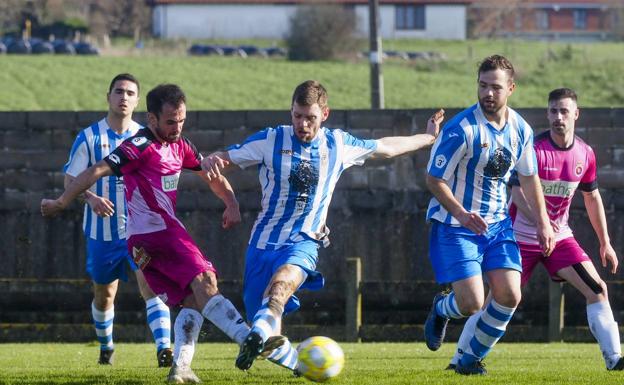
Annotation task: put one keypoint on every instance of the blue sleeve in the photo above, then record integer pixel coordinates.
(448, 149)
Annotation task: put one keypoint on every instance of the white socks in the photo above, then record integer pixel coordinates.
(187, 325)
(222, 313)
(605, 330)
(468, 331)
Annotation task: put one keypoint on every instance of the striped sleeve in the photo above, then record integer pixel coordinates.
(251, 151)
(527, 162)
(78, 156)
(355, 150)
(448, 149)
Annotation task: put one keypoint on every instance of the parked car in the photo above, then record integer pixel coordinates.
(396, 55)
(20, 47)
(42, 48)
(63, 47)
(83, 48)
(252, 50)
(275, 51)
(203, 49)
(229, 50)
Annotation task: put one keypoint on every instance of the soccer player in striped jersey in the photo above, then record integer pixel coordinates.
(471, 231)
(298, 168)
(104, 221)
(566, 163)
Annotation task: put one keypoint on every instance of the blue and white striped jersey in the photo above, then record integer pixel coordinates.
(476, 160)
(297, 180)
(93, 144)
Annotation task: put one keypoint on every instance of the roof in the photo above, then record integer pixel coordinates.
(164, 2)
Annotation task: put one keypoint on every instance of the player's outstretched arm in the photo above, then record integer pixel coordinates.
(533, 193)
(216, 163)
(597, 217)
(221, 187)
(51, 207)
(392, 146)
(101, 206)
(444, 195)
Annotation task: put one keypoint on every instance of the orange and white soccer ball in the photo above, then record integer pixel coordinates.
(320, 359)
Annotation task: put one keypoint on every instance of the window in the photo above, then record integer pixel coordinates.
(541, 19)
(410, 17)
(580, 19)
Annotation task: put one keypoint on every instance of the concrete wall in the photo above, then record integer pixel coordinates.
(377, 214)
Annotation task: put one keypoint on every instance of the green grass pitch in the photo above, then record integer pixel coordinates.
(367, 363)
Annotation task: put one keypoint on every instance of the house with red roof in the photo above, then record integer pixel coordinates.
(572, 20)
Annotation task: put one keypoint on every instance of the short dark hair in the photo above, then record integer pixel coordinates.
(310, 92)
(125, 76)
(562, 93)
(164, 94)
(496, 62)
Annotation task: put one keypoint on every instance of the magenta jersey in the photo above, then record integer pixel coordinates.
(561, 172)
(151, 171)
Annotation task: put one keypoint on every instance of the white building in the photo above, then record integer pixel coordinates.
(270, 19)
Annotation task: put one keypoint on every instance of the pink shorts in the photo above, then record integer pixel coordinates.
(169, 260)
(567, 253)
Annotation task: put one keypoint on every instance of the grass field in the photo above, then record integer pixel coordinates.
(229, 83)
(374, 364)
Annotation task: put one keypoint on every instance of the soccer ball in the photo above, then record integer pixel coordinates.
(320, 359)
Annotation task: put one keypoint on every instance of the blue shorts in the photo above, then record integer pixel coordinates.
(260, 265)
(457, 253)
(106, 260)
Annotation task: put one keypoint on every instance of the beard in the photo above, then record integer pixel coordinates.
(169, 138)
(489, 107)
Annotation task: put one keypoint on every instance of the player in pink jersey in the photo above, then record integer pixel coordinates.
(173, 265)
(566, 163)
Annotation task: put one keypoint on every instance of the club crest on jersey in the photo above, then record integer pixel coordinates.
(578, 170)
(514, 144)
(140, 257)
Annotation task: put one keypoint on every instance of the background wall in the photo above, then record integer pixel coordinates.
(377, 214)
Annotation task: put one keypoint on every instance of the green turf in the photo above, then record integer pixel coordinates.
(373, 364)
(229, 83)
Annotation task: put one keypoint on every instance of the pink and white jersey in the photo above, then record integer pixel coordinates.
(151, 171)
(561, 172)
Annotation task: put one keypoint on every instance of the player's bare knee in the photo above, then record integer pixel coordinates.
(597, 286)
(206, 282)
(469, 306)
(598, 294)
(510, 298)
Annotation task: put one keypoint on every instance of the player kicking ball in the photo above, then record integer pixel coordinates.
(175, 269)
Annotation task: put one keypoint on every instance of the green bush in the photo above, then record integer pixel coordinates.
(321, 32)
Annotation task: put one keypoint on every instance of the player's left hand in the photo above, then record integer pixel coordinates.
(50, 207)
(231, 216)
(607, 254)
(213, 164)
(433, 124)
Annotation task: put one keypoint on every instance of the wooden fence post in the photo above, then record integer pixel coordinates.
(353, 310)
(556, 302)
